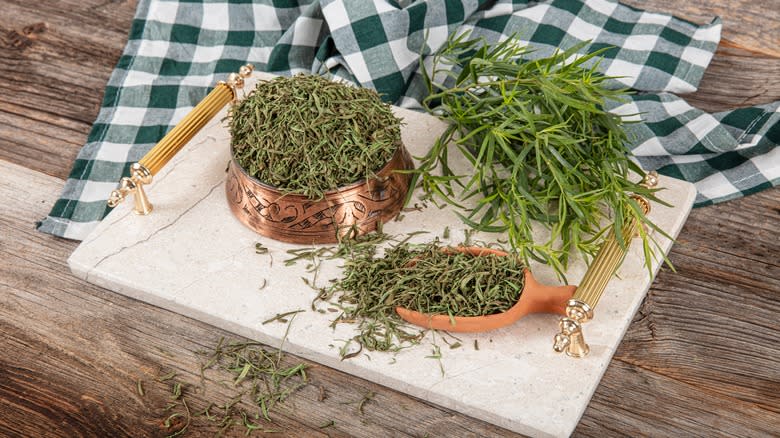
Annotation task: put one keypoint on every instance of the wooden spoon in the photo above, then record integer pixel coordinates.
(535, 298)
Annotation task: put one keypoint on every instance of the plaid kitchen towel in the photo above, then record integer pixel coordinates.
(177, 50)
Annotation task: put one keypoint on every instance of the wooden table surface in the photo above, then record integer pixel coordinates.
(701, 357)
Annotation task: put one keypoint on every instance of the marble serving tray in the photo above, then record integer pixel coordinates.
(193, 257)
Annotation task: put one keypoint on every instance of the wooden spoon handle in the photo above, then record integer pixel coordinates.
(541, 298)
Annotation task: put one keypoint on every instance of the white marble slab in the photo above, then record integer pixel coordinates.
(193, 257)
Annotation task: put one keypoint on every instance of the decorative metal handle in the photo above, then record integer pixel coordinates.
(143, 171)
(579, 309)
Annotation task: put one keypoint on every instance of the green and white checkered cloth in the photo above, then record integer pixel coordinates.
(177, 50)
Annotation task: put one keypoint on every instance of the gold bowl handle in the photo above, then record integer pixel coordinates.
(151, 163)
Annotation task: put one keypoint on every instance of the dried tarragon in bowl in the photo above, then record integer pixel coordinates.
(308, 135)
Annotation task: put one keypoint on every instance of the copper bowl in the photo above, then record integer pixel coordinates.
(295, 218)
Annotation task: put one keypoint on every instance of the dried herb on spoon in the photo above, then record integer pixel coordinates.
(423, 278)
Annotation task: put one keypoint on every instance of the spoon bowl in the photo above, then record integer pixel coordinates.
(534, 298)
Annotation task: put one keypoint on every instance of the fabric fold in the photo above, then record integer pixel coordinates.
(177, 50)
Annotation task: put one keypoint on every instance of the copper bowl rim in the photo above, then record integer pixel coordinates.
(386, 169)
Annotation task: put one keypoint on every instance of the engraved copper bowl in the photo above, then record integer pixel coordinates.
(295, 218)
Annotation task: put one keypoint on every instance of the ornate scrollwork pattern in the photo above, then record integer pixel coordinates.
(297, 219)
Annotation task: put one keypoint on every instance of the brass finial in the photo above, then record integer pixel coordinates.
(236, 81)
(650, 180)
(133, 185)
(246, 70)
(570, 339)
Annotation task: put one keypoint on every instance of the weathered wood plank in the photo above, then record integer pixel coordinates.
(703, 340)
(633, 401)
(746, 68)
(53, 78)
(737, 78)
(714, 323)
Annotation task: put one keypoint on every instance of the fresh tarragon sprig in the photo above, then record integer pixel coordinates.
(542, 149)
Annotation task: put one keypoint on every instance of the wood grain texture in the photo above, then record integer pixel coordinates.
(738, 359)
(700, 357)
(747, 24)
(701, 351)
(737, 78)
(74, 351)
(53, 79)
(746, 67)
